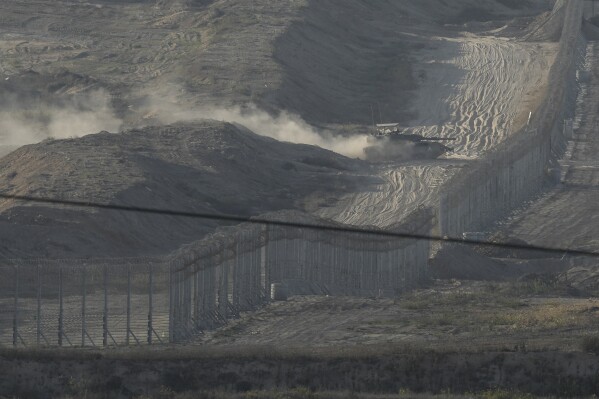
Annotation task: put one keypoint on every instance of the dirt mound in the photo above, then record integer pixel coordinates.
(208, 166)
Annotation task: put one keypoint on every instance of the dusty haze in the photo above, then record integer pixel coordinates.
(28, 122)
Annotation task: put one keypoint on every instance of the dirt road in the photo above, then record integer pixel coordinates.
(568, 215)
(476, 89)
(400, 191)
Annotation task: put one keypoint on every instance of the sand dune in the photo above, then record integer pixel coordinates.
(479, 90)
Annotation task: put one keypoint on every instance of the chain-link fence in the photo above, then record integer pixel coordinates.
(239, 269)
(118, 302)
(84, 303)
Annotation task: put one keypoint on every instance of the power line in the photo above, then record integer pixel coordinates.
(255, 220)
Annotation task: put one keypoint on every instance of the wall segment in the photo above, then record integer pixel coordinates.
(518, 168)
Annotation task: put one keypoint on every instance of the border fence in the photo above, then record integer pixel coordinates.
(83, 303)
(146, 301)
(519, 167)
(121, 302)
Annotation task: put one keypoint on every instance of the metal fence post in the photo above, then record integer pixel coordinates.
(196, 296)
(83, 304)
(264, 273)
(128, 304)
(187, 301)
(236, 276)
(15, 324)
(177, 304)
(39, 306)
(171, 320)
(60, 308)
(105, 316)
(150, 306)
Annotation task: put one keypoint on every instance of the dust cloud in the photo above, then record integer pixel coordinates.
(31, 121)
(26, 122)
(291, 128)
(283, 127)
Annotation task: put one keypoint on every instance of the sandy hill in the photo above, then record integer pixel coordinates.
(328, 61)
(207, 166)
(76, 68)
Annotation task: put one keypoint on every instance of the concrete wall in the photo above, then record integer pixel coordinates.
(520, 167)
(232, 271)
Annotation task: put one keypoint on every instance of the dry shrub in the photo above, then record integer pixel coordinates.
(546, 316)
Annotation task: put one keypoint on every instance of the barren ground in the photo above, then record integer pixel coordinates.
(206, 167)
(463, 70)
(474, 88)
(479, 89)
(448, 316)
(72, 68)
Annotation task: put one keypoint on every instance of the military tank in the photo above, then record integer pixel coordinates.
(388, 143)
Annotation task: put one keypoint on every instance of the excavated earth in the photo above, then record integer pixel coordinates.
(204, 167)
(160, 80)
(463, 71)
(156, 75)
(566, 216)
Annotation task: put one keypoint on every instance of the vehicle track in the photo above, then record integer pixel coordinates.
(401, 190)
(479, 94)
(474, 91)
